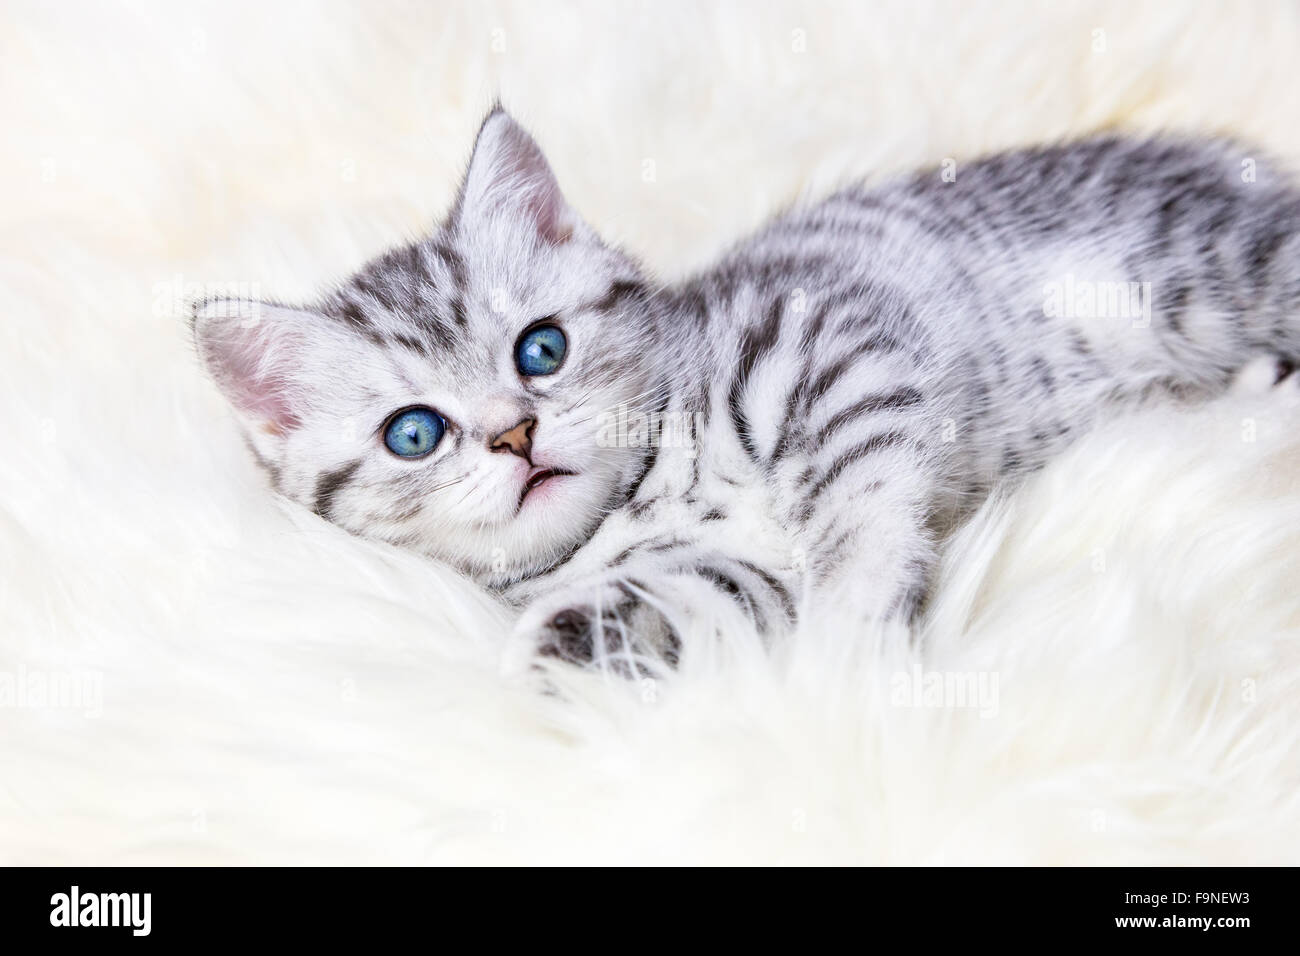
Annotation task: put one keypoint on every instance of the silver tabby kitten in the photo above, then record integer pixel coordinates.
(842, 385)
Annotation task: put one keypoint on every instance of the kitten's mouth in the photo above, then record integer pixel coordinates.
(538, 477)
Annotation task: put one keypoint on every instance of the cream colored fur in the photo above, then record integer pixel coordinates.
(276, 691)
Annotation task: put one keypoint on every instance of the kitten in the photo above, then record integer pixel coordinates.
(838, 389)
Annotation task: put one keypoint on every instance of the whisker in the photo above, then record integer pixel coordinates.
(447, 484)
(461, 500)
(632, 403)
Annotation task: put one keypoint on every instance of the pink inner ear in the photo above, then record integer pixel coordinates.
(267, 400)
(547, 208)
(523, 171)
(249, 365)
(509, 170)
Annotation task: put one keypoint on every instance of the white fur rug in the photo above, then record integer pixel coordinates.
(1112, 670)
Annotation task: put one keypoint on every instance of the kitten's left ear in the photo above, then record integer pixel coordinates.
(509, 174)
(256, 353)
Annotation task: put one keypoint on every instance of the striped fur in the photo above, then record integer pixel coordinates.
(855, 377)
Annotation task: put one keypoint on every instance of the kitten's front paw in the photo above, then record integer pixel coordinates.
(606, 624)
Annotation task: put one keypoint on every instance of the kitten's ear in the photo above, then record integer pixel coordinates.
(508, 173)
(255, 352)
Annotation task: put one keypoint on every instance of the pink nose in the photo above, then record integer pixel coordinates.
(518, 440)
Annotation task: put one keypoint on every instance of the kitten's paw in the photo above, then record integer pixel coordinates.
(602, 624)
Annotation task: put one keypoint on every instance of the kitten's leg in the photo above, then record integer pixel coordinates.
(870, 557)
(861, 544)
(689, 564)
(862, 519)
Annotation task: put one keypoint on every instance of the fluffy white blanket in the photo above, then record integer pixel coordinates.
(193, 672)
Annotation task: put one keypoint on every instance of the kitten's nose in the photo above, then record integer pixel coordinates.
(517, 440)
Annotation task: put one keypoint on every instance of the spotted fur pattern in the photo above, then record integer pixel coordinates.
(845, 385)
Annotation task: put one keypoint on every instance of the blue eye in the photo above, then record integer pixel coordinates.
(540, 351)
(414, 433)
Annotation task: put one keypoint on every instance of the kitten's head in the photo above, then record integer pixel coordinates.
(448, 396)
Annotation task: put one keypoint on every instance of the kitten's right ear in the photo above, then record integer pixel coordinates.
(508, 174)
(254, 352)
